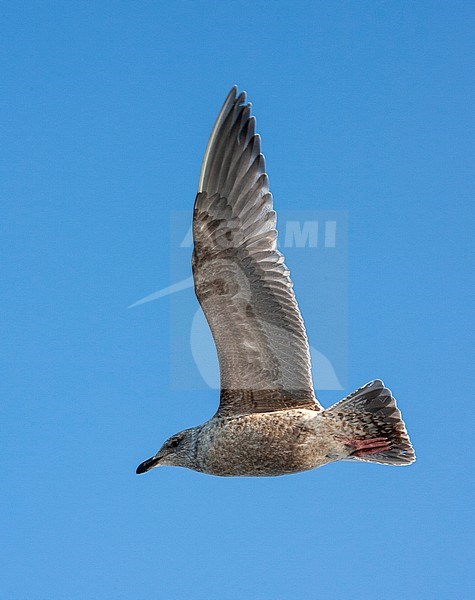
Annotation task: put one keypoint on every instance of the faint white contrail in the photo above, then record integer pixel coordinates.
(171, 289)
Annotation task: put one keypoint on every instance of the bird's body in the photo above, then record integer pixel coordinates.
(273, 443)
(269, 421)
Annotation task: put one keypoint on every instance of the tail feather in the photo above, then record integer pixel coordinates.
(370, 413)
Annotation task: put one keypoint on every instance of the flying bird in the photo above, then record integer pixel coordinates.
(269, 421)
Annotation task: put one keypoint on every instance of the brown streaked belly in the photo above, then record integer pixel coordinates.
(264, 444)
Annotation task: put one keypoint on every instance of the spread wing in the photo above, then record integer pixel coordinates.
(240, 278)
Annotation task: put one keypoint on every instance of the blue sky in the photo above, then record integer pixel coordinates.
(364, 108)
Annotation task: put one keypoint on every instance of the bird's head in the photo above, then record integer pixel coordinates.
(177, 451)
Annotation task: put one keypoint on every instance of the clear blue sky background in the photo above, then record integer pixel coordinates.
(106, 110)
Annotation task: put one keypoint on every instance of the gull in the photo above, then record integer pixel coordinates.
(269, 421)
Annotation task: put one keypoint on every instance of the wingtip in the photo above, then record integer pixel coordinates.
(241, 99)
(232, 95)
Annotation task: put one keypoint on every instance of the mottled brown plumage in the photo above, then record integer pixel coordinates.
(269, 421)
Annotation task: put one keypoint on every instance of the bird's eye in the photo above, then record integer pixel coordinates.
(174, 443)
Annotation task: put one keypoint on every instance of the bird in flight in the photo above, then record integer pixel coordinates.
(269, 421)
